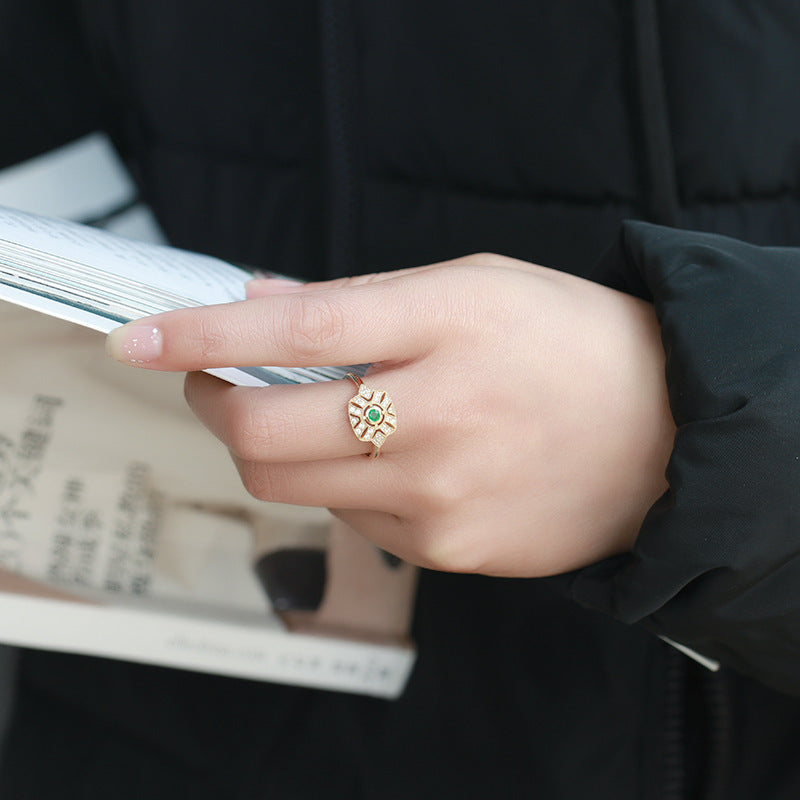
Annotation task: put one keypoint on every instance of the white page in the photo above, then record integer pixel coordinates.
(81, 180)
(99, 255)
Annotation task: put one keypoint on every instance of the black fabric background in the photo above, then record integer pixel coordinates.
(516, 129)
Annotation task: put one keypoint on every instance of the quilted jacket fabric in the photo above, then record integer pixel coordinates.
(327, 137)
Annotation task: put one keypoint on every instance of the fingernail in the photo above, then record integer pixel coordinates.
(260, 287)
(135, 344)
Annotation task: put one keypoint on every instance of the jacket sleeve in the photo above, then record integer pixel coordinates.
(716, 565)
(48, 93)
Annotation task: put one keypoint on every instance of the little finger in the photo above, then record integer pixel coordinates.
(355, 482)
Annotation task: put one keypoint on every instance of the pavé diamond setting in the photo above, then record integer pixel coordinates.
(371, 413)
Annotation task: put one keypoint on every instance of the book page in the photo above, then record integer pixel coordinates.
(100, 281)
(82, 180)
(117, 277)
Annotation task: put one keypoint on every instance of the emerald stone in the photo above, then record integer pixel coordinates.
(374, 415)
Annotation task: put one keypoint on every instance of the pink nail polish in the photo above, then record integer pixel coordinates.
(135, 344)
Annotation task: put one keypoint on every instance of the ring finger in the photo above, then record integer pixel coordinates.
(278, 424)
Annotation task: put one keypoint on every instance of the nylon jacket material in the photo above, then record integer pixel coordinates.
(320, 138)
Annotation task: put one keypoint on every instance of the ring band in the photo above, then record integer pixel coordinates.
(371, 414)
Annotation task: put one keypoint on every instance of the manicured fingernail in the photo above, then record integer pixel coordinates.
(261, 287)
(135, 344)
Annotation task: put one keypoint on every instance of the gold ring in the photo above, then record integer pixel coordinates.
(371, 414)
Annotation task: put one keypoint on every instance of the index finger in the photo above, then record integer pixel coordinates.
(381, 321)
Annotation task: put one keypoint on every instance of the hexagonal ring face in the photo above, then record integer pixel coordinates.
(372, 416)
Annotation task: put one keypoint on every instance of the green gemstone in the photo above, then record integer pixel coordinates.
(374, 415)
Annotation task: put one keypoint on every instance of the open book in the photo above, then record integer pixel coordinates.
(100, 280)
(124, 530)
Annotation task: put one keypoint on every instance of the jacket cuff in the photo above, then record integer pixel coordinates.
(716, 566)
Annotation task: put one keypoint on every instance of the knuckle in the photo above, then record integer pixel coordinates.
(314, 326)
(209, 340)
(247, 474)
(240, 435)
(259, 480)
(485, 260)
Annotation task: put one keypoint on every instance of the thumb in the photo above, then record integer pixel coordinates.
(262, 287)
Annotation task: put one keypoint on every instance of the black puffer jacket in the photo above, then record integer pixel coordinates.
(342, 136)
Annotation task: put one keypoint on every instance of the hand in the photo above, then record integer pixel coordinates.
(533, 423)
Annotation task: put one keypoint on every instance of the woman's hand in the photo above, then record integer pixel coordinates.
(533, 424)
